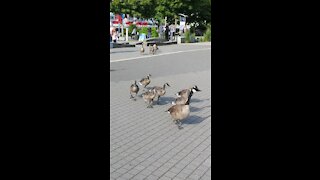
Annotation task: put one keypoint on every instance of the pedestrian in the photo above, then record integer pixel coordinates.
(167, 31)
(133, 33)
(114, 35)
(149, 33)
(117, 34)
(171, 32)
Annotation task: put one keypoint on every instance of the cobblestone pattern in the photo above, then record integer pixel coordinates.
(146, 144)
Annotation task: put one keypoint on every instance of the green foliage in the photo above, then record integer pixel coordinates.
(207, 34)
(196, 10)
(192, 37)
(192, 29)
(154, 32)
(131, 27)
(141, 8)
(187, 36)
(143, 30)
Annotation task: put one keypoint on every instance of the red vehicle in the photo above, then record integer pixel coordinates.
(142, 23)
(118, 20)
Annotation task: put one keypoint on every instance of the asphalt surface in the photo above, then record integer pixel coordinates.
(144, 142)
(195, 58)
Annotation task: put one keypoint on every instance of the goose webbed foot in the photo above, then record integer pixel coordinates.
(150, 105)
(178, 123)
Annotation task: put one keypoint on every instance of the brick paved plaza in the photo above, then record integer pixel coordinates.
(144, 142)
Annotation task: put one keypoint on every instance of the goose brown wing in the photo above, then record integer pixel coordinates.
(143, 79)
(184, 91)
(175, 108)
(180, 100)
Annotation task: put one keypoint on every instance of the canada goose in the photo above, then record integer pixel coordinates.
(142, 48)
(179, 100)
(180, 112)
(149, 96)
(155, 48)
(134, 89)
(185, 93)
(151, 50)
(160, 91)
(145, 81)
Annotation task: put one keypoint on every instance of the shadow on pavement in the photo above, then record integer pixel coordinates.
(197, 100)
(166, 100)
(195, 109)
(123, 51)
(115, 70)
(193, 119)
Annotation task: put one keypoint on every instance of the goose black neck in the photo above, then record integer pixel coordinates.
(189, 97)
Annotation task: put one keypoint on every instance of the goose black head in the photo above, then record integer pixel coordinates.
(195, 89)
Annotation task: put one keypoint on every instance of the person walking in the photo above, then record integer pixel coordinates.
(133, 33)
(114, 35)
(149, 33)
(172, 32)
(167, 31)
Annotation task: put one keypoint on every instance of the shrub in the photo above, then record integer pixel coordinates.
(154, 32)
(192, 37)
(187, 36)
(207, 34)
(131, 27)
(143, 30)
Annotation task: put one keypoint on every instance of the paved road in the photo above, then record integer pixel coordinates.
(145, 143)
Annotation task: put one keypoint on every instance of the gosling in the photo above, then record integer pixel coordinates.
(134, 89)
(160, 91)
(149, 96)
(180, 112)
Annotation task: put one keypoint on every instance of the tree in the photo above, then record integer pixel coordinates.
(198, 11)
(169, 9)
(139, 8)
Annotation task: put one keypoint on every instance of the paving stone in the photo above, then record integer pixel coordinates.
(145, 143)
